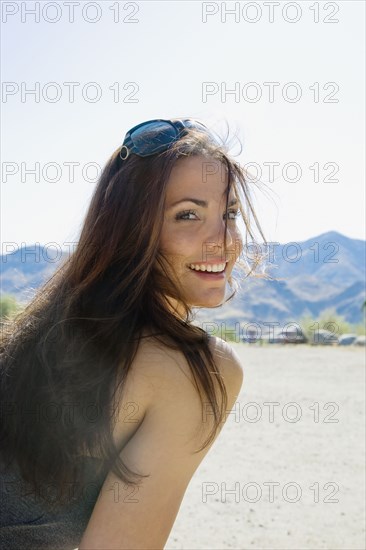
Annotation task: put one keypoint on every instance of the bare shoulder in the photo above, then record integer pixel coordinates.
(158, 369)
(229, 361)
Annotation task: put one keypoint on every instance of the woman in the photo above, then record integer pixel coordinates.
(111, 395)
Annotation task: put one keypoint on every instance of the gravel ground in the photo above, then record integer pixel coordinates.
(288, 469)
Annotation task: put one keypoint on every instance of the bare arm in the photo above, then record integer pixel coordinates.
(163, 446)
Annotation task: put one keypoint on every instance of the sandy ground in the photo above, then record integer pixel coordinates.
(316, 462)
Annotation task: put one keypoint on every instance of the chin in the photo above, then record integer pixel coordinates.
(208, 303)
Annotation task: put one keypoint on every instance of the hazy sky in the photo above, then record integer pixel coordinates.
(170, 59)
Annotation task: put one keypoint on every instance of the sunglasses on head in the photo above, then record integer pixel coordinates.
(154, 136)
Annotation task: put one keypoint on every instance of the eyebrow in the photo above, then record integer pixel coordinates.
(199, 202)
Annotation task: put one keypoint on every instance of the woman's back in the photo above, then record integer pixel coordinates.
(174, 426)
(155, 425)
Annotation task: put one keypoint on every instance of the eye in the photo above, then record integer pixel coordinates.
(180, 215)
(236, 213)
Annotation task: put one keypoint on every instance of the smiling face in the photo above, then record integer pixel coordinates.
(193, 230)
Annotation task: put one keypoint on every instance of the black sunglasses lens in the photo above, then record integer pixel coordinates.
(153, 137)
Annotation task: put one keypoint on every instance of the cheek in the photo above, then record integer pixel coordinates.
(177, 242)
(179, 249)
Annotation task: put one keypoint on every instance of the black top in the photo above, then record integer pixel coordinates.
(25, 521)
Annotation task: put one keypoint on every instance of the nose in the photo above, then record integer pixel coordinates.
(215, 245)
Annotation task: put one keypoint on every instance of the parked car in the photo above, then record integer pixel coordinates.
(251, 337)
(346, 339)
(360, 340)
(289, 335)
(323, 337)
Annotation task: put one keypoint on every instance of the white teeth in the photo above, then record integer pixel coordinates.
(210, 268)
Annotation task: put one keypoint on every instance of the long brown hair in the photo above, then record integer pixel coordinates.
(77, 338)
